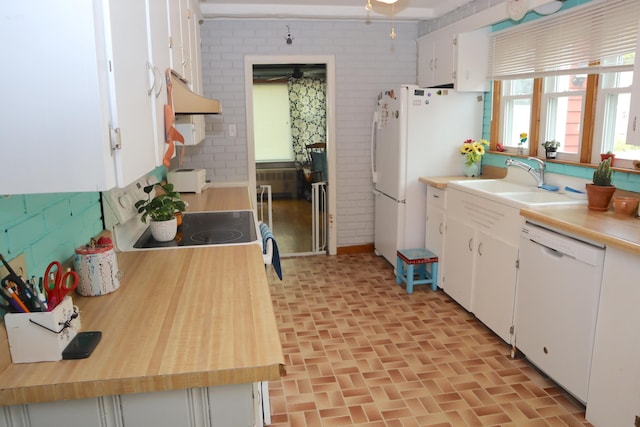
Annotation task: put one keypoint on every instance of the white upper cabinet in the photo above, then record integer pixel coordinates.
(184, 25)
(82, 105)
(159, 60)
(131, 77)
(461, 59)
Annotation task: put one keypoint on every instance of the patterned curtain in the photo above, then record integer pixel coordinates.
(307, 98)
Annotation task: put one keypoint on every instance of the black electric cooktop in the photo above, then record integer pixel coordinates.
(207, 228)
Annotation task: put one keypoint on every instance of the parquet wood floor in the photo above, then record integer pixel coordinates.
(360, 351)
(292, 225)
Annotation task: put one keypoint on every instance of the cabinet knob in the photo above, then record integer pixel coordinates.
(471, 245)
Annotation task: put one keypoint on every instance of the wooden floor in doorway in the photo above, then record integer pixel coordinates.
(292, 225)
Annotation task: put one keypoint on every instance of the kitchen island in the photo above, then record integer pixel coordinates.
(188, 331)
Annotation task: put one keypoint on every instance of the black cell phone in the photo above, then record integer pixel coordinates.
(82, 345)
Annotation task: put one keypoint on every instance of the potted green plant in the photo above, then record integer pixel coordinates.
(551, 148)
(161, 209)
(600, 192)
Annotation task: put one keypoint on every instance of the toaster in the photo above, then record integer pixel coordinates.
(187, 180)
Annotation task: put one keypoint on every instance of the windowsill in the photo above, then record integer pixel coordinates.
(565, 162)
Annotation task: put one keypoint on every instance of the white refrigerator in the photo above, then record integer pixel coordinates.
(416, 132)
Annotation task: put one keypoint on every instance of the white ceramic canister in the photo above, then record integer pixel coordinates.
(97, 268)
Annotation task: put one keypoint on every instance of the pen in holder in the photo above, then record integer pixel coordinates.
(41, 336)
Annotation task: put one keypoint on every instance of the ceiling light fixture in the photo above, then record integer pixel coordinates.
(368, 7)
(549, 8)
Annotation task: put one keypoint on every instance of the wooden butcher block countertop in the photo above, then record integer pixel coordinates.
(181, 318)
(603, 227)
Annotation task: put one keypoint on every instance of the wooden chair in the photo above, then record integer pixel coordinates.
(317, 153)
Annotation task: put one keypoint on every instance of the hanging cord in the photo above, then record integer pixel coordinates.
(393, 23)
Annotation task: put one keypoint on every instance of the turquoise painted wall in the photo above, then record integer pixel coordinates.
(625, 181)
(47, 227)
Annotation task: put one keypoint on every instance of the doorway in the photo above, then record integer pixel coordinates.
(293, 209)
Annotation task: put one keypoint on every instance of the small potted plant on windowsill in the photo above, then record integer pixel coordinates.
(162, 210)
(551, 148)
(608, 155)
(599, 193)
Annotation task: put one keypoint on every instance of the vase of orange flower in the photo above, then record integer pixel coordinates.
(473, 152)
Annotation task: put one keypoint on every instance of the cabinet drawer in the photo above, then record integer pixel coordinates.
(436, 197)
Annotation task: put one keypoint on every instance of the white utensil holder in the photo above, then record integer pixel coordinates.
(41, 336)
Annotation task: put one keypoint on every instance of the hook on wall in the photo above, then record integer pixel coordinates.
(288, 37)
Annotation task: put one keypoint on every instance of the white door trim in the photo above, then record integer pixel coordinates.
(329, 60)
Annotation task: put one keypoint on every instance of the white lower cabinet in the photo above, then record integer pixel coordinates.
(481, 252)
(494, 293)
(459, 250)
(221, 406)
(434, 236)
(614, 384)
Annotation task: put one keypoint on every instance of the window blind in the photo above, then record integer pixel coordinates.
(567, 42)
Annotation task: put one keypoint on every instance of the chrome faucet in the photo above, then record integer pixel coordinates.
(537, 174)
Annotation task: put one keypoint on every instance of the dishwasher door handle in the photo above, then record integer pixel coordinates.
(549, 250)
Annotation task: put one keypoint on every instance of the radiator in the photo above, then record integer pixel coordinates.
(283, 181)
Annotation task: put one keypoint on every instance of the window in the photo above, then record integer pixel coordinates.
(272, 126)
(562, 112)
(516, 113)
(579, 66)
(613, 108)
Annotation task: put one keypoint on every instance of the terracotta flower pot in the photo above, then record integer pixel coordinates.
(606, 156)
(599, 196)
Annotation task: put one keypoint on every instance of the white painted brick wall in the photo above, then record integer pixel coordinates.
(367, 61)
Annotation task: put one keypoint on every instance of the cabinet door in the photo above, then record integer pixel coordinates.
(195, 51)
(614, 385)
(130, 79)
(425, 62)
(185, 34)
(443, 49)
(160, 58)
(459, 247)
(53, 114)
(472, 60)
(434, 240)
(495, 284)
(175, 33)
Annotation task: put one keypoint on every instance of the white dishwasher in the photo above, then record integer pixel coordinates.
(557, 304)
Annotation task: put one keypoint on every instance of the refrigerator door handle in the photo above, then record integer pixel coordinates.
(373, 147)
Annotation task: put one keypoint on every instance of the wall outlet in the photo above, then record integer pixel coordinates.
(233, 131)
(19, 266)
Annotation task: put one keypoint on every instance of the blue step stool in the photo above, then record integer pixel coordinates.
(420, 258)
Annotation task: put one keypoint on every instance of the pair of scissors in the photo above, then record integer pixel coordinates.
(58, 284)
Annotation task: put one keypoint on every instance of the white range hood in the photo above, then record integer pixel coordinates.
(185, 101)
